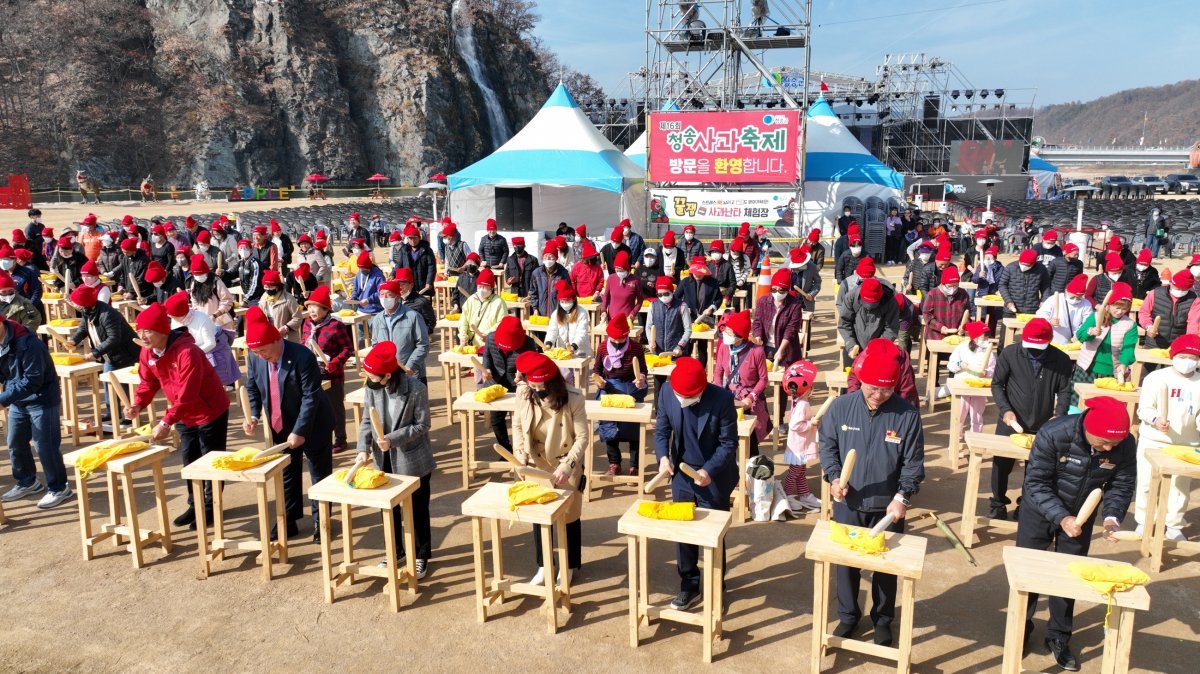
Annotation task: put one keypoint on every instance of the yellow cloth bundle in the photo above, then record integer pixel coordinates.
(451, 279)
(586, 300)
(992, 298)
(953, 340)
(62, 358)
(741, 414)
(857, 539)
(701, 327)
(617, 400)
(1109, 578)
(662, 360)
(509, 297)
(978, 382)
(770, 366)
(1136, 304)
(454, 316)
(1069, 346)
(1111, 384)
(241, 460)
(490, 393)
(93, 458)
(145, 429)
(539, 320)
(52, 296)
(64, 323)
(683, 512)
(1160, 353)
(1183, 453)
(559, 353)
(529, 493)
(365, 478)
(1024, 318)
(337, 285)
(645, 303)
(347, 312)
(1024, 440)
(466, 350)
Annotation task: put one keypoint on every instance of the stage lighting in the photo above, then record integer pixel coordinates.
(858, 102)
(612, 102)
(969, 93)
(983, 93)
(740, 104)
(955, 94)
(757, 102)
(857, 116)
(873, 99)
(999, 93)
(954, 108)
(624, 102)
(996, 106)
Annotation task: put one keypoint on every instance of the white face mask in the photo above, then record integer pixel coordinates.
(666, 300)
(578, 239)
(1025, 267)
(243, 253)
(779, 296)
(203, 247)
(567, 306)
(1114, 275)
(1047, 244)
(200, 278)
(622, 275)
(687, 402)
(627, 231)
(989, 260)
(7, 298)
(1195, 271)
(648, 260)
(689, 236)
(7, 264)
(1034, 347)
(1143, 267)
(159, 284)
(549, 263)
(715, 257)
(1184, 365)
(388, 303)
(949, 290)
(1178, 292)
(857, 250)
(485, 292)
(924, 257)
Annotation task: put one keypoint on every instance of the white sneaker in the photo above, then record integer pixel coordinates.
(806, 502)
(18, 491)
(53, 498)
(539, 578)
(570, 575)
(1174, 534)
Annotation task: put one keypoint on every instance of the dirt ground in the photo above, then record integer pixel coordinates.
(64, 614)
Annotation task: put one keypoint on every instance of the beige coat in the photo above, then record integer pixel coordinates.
(564, 435)
(284, 311)
(218, 306)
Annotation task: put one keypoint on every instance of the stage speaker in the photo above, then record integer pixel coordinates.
(932, 106)
(514, 208)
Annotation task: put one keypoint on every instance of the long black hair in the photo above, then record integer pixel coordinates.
(556, 392)
(203, 292)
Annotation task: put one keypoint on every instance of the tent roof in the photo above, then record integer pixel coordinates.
(560, 147)
(835, 155)
(1036, 163)
(637, 150)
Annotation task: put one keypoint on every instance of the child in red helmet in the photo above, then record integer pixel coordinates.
(802, 436)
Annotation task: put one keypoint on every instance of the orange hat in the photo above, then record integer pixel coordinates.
(405, 275)
(178, 305)
(364, 260)
(1037, 332)
(618, 326)
(781, 279)
(621, 260)
(155, 272)
(320, 297)
(950, 275)
(1186, 344)
(509, 335)
(259, 331)
(536, 367)
(871, 291)
(739, 323)
(689, 378)
(564, 290)
(154, 318)
(381, 359)
(272, 278)
(84, 297)
(199, 265)
(1027, 257)
(487, 277)
(1106, 418)
(878, 367)
(1078, 285)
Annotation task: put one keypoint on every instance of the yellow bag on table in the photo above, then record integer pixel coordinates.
(701, 327)
(953, 340)
(63, 358)
(466, 350)
(454, 316)
(1023, 440)
(490, 393)
(93, 458)
(509, 297)
(451, 279)
(662, 360)
(539, 320)
(559, 353)
(1109, 578)
(857, 539)
(52, 296)
(1160, 353)
(1024, 318)
(617, 400)
(1069, 346)
(347, 312)
(65, 323)
(529, 493)
(992, 298)
(586, 300)
(241, 459)
(365, 478)
(657, 510)
(978, 382)
(1111, 384)
(1183, 453)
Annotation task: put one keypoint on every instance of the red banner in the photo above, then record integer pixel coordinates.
(723, 147)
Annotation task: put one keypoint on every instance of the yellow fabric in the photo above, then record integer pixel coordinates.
(487, 395)
(466, 350)
(454, 316)
(617, 400)
(365, 478)
(993, 298)
(451, 279)
(1108, 578)
(1024, 440)
(1024, 318)
(770, 365)
(701, 327)
(559, 353)
(1111, 384)
(240, 460)
(64, 323)
(653, 360)
(529, 493)
(346, 312)
(1070, 346)
(953, 340)
(1136, 304)
(857, 539)
(683, 512)
(509, 297)
(1183, 453)
(94, 457)
(539, 320)
(61, 358)
(645, 303)
(145, 429)
(586, 300)
(52, 296)
(978, 382)
(741, 414)
(1160, 353)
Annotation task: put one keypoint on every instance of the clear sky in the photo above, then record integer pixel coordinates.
(1066, 49)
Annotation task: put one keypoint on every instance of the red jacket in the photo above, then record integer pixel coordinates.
(622, 298)
(194, 394)
(588, 279)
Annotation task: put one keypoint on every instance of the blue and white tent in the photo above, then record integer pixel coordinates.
(637, 150)
(1043, 172)
(575, 174)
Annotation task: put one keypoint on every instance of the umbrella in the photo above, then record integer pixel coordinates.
(438, 177)
(433, 186)
(378, 177)
(315, 177)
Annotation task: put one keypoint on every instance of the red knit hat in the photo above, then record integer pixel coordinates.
(199, 265)
(272, 278)
(688, 378)
(871, 290)
(88, 267)
(865, 268)
(449, 230)
(950, 275)
(411, 230)
(739, 323)
(689, 228)
(981, 234)
(1028, 256)
(84, 297)
(1050, 236)
(814, 236)
(321, 244)
(1195, 260)
(205, 237)
(853, 229)
(405, 275)
(698, 267)
(586, 250)
(854, 239)
(993, 251)
(64, 242)
(618, 233)
(24, 255)
(1070, 248)
(1187, 345)
(491, 224)
(621, 260)
(781, 279)
(618, 326)
(261, 229)
(976, 329)
(536, 367)
(664, 283)
(1144, 256)
(155, 272)
(393, 286)
(259, 331)
(178, 305)
(738, 244)
(18, 237)
(320, 297)
(509, 335)
(473, 257)
(275, 229)
(1037, 332)
(154, 318)
(551, 249)
(877, 368)
(486, 277)
(1106, 418)
(1078, 285)
(581, 230)
(1114, 244)
(1183, 279)
(518, 241)
(381, 359)
(564, 290)
(245, 243)
(6, 282)
(668, 239)
(717, 245)
(1113, 262)
(744, 229)
(796, 256)
(395, 237)
(1120, 292)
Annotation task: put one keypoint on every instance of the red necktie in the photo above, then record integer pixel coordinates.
(276, 412)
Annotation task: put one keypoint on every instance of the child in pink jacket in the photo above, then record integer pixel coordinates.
(966, 361)
(802, 436)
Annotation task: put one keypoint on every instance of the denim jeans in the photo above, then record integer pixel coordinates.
(42, 425)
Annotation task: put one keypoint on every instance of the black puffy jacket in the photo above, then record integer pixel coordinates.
(1062, 471)
(1061, 272)
(115, 343)
(1024, 289)
(846, 265)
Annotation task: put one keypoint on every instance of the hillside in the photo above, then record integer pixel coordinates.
(1172, 112)
(260, 91)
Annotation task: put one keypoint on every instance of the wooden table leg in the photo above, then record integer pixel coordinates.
(114, 507)
(1159, 523)
(719, 588)
(389, 547)
(465, 418)
(1124, 642)
(589, 465)
(820, 615)
(85, 515)
(966, 528)
(218, 497)
(548, 566)
(1149, 514)
(160, 502)
(956, 432)
(472, 435)
(264, 528)
(931, 379)
(328, 579)
(908, 593)
(743, 495)
(135, 533)
(449, 392)
(498, 575)
(201, 526)
(280, 518)
(97, 401)
(707, 602)
(410, 542)
(1014, 632)
(634, 613)
(564, 566)
(641, 471)
(777, 409)
(480, 577)
(348, 539)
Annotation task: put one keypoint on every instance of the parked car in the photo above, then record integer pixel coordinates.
(1182, 183)
(1156, 184)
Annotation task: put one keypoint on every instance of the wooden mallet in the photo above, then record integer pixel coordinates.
(689, 471)
(122, 396)
(1089, 506)
(359, 462)
(376, 424)
(847, 470)
(269, 451)
(659, 480)
(816, 418)
(531, 471)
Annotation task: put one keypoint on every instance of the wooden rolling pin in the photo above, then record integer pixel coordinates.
(689, 471)
(884, 523)
(376, 424)
(659, 480)
(847, 470)
(352, 470)
(1089, 506)
(244, 399)
(816, 418)
(1157, 320)
(272, 450)
(531, 471)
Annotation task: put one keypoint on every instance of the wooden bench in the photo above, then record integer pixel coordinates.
(982, 446)
(1154, 532)
(466, 407)
(641, 414)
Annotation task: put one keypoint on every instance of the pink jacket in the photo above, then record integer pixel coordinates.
(753, 372)
(1145, 314)
(802, 435)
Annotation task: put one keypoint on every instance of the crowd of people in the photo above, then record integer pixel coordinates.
(181, 340)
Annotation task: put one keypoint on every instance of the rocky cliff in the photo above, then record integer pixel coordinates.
(263, 91)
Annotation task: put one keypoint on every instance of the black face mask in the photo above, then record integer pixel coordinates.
(272, 291)
(542, 393)
(374, 385)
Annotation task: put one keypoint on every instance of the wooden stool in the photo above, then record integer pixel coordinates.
(641, 414)
(355, 399)
(71, 378)
(491, 503)
(983, 446)
(357, 323)
(934, 349)
(200, 471)
(397, 492)
(446, 328)
(127, 378)
(1154, 532)
(452, 370)
(123, 467)
(466, 407)
(905, 559)
(741, 499)
(707, 531)
(959, 389)
(1045, 573)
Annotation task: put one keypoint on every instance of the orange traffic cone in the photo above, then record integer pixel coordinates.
(764, 280)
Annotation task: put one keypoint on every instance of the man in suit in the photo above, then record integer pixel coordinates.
(284, 381)
(697, 425)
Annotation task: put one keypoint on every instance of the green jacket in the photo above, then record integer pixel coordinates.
(22, 311)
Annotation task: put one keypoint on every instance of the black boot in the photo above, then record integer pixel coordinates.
(186, 519)
(292, 530)
(1062, 654)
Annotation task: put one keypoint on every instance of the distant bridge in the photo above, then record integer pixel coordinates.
(1114, 154)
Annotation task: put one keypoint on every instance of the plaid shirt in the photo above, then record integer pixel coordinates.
(333, 338)
(940, 311)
